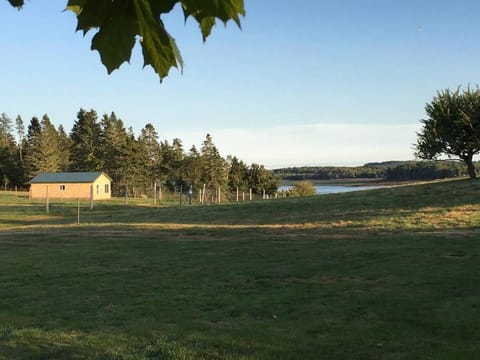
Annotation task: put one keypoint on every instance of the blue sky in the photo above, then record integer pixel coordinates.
(311, 82)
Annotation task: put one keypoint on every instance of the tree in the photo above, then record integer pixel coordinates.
(86, 151)
(64, 144)
(148, 143)
(452, 127)
(21, 136)
(214, 166)
(48, 157)
(32, 145)
(237, 174)
(261, 179)
(120, 23)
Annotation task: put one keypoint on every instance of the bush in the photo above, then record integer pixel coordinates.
(303, 188)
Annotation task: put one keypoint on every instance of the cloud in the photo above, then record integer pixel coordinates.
(312, 144)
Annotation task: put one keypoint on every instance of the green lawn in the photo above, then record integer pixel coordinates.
(382, 274)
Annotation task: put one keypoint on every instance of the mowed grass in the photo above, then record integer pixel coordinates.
(383, 274)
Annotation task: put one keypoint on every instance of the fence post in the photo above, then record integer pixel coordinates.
(250, 194)
(47, 204)
(91, 197)
(78, 211)
(154, 193)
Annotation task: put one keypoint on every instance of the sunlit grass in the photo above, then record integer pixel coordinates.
(389, 273)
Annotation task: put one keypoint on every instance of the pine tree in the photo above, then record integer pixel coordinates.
(86, 151)
(21, 136)
(31, 148)
(150, 150)
(237, 175)
(214, 166)
(64, 144)
(48, 157)
(114, 151)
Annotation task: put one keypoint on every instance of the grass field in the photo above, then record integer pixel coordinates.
(392, 273)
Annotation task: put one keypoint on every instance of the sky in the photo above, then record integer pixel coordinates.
(310, 82)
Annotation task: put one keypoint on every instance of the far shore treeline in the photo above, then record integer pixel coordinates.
(387, 171)
(133, 162)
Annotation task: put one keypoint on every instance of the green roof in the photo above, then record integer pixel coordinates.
(67, 177)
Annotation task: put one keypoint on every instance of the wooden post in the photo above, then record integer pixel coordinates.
(250, 194)
(155, 193)
(78, 211)
(91, 197)
(200, 196)
(47, 204)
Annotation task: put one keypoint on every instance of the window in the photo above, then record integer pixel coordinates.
(98, 188)
(107, 190)
(62, 187)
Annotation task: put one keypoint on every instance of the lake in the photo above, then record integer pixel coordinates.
(332, 189)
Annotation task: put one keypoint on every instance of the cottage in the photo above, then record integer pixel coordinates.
(71, 185)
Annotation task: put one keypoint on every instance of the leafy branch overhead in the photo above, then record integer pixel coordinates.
(119, 23)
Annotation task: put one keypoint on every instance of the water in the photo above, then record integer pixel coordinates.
(333, 189)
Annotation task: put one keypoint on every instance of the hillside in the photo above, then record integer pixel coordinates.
(388, 273)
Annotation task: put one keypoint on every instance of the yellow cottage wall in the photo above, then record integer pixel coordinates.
(72, 190)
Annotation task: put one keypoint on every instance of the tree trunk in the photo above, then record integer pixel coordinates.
(471, 168)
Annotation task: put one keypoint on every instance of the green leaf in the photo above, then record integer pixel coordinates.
(206, 25)
(224, 10)
(95, 13)
(162, 6)
(16, 3)
(75, 6)
(116, 39)
(158, 46)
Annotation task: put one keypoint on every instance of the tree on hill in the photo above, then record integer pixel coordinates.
(120, 23)
(452, 127)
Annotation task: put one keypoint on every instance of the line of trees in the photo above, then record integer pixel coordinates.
(105, 144)
(389, 171)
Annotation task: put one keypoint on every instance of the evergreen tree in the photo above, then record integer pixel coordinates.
(150, 150)
(64, 145)
(86, 150)
(214, 166)
(237, 175)
(9, 169)
(48, 157)
(21, 136)
(192, 168)
(31, 149)
(6, 138)
(114, 152)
